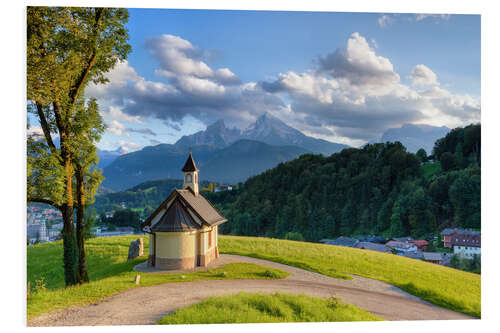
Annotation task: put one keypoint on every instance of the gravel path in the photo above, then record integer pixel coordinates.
(146, 305)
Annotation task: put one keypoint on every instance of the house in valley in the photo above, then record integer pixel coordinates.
(401, 247)
(465, 243)
(183, 229)
(373, 247)
(420, 243)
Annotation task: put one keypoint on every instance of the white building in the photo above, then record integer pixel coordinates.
(466, 243)
(467, 252)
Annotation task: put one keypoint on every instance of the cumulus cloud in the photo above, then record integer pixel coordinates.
(116, 127)
(355, 94)
(358, 63)
(422, 75)
(193, 88)
(177, 56)
(350, 95)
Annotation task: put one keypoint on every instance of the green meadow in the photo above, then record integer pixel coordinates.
(110, 273)
(264, 308)
(447, 287)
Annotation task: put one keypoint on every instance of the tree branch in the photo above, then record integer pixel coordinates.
(83, 76)
(44, 201)
(45, 127)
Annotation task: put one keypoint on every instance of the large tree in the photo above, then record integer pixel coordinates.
(66, 49)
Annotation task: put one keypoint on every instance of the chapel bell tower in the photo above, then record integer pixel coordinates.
(190, 174)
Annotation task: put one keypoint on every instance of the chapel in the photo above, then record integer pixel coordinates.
(183, 229)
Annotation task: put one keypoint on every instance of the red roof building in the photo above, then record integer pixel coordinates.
(420, 243)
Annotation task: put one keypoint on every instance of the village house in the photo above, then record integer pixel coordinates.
(434, 257)
(183, 229)
(402, 246)
(373, 247)
(420, 243)
(341, 241)
(465, 243)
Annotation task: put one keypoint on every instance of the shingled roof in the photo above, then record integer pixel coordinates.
(190, 165)
(204, 209)
(176, 219)
(200, 206)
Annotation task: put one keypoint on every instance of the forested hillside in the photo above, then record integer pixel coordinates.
(379, 189)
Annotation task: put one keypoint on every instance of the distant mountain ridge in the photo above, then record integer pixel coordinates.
(415, 137)
(267, 129)
(232, 164)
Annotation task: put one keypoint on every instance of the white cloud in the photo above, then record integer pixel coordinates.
(116, 127)
(177, 56)
(355, 95)
(422, 75)
(359, 64)
(384, 20)
(128, 146)
(420, 17)
(351, 95)
(35, 130)
(115, 113)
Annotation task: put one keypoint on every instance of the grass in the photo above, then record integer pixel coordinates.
(447, 287)
(264, 308)
(110, 273)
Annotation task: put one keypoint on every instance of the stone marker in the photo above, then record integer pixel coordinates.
(137, 279)
(136, 249)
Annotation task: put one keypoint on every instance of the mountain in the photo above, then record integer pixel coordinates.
(246, 158)
(414, 137)
(106, 157)
(235, 163)
(266, 129)
(150, 163)
(217, 135)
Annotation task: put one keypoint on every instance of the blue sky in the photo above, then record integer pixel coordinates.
(343, 77)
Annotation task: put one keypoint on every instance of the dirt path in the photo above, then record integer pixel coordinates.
(146, 305)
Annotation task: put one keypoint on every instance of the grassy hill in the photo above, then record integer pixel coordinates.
(110, 272)
(447, 287)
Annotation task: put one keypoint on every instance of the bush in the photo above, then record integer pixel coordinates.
(297, 236)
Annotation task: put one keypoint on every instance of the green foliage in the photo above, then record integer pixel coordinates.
(469, 265)
(264, 308)
(457, 290)
(125, 218)
(448, 161)
(294, 236)
(379, 189)
(422, 155)
(150, 193)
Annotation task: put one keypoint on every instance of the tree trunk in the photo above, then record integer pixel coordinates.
(70, 255)
(80, 226)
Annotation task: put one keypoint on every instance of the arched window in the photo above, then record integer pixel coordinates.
(189, 178)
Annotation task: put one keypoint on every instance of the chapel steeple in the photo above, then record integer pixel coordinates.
(190, 174)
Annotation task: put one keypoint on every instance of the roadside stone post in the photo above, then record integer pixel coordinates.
(136, 249)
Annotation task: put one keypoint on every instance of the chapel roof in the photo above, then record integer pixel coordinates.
(176, 219)
(200, 206)
(190, 164)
